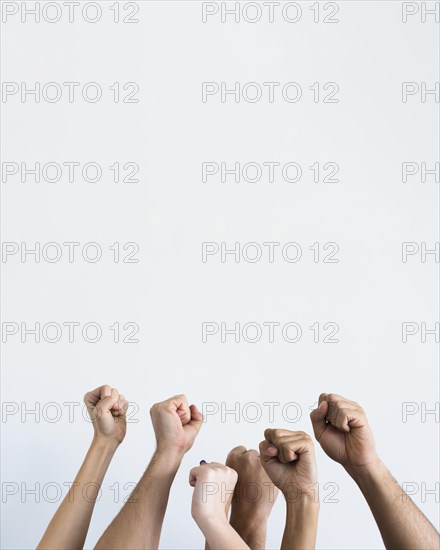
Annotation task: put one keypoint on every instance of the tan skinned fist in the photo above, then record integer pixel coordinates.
(341, 428)
(176, 424)
(289, 460)
(107, 409)
(255, 494)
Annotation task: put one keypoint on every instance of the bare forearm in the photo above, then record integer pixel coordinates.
(68, 527)
(301, 524)
(402, 525)
(138, 525)
(220, 535)
(252, 532)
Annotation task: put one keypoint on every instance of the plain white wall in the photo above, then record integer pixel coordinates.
(170, 292)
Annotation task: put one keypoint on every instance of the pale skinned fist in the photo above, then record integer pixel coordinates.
(214, 485)
(341, 428)
(107, 409)
(176, 424)
(289, 460)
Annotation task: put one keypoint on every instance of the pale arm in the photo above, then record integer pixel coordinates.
(220, 535)
(214, 485)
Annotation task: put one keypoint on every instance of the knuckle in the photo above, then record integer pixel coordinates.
(231, 459)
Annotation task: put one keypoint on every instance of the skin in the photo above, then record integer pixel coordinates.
(68, 527)
(214, 485)
(289, 460)
(139, 523)
(253, 499)
(341, 427)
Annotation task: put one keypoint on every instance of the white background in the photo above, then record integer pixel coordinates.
(170, 292)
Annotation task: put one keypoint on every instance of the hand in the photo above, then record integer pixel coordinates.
(107, 410)
(341, 427)
(289, 460)
(175, 424)
(255, 494)
(214, 485)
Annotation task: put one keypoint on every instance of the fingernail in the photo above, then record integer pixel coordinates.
(203, 462)
(271, 449)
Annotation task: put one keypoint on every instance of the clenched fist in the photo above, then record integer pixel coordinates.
(341, 427)
(175, 424)
(251, 477)
(214, 485)
(289, 460)
(107, 410)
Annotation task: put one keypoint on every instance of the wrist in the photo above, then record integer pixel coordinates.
(296, 495)
(252, 529)
(308, 501)
(104, 444)
(249, 522)
(168, 455)
(209, 522)
(370, 471)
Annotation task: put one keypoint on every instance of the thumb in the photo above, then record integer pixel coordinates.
(317, 417)
(194, 472)
(196, 418)
(267, 451)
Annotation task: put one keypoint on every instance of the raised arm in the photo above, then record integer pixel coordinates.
(249, 513)
(289, 460)
(342, 429)
(138, 525)
(213, 489)
(68, 527)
